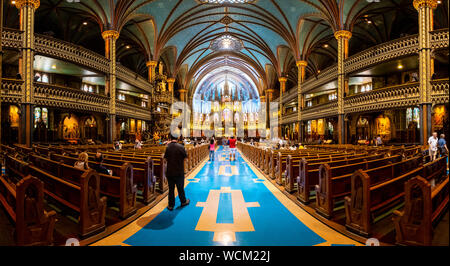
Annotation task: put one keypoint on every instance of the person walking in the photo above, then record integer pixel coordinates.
(212, 148)
(442, 146)
(432, 146)
(232, 142)
(175, 156)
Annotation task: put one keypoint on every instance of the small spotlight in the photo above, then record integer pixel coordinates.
(400, 66)
(128, 47)
(318, 71)
(325, 46)
(53, 66)
(85, 23)
(13, 2)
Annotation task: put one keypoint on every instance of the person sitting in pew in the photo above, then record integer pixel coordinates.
(100, 168)
(82, 162)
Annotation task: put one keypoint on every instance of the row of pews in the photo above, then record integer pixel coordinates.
(44, 176)
(366, 185)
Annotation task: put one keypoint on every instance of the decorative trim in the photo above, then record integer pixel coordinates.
(22, 3)
(107, 34)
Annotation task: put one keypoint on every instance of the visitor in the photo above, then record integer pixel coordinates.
(212, 149)
(378, 141)
(138, 144)
(432, 146)
(232, 142)
(175, 156)
(99, 167)
(442, 146)
(82, 162)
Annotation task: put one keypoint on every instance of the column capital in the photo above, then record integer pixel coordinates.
(151, 63)
(425, 3)
(269, 91)
(110, 34)
(282, 79)
(171, 80)
(182, 90)
(343, 34)
(22, 3)
(302, 63)
(262, 97)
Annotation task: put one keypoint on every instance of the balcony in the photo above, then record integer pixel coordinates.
(55, 48)
(397, 96)
(132, 110)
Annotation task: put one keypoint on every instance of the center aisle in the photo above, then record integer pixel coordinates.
(231, 204)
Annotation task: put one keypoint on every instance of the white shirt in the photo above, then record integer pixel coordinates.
(433, 143)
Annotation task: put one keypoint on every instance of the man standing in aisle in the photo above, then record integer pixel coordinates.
(175, 155)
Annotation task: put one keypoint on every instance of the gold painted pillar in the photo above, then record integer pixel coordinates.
(27, 10)
(301, 65)
(110, 37)
(171, 82)
(151, 70)
(425, 9)
(282, 81)
(342, 38)
(1, 63)
(183, 95)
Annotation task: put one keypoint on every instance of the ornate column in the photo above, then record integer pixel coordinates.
(151, 70)
(342, 38)
(301, 65)
(171, 82)
(425, 9)
(282, 81)
(27, 9)
(1, 62)
(110, 37)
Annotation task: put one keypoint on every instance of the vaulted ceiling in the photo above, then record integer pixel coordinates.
(265, 37)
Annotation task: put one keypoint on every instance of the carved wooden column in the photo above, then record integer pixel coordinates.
(151, 70)
(27, 9)
(282, 81)
(342, 38)
(301, 65)
(425, 9)
(171, 82)
(110, 37)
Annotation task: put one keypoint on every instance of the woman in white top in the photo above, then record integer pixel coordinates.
(432, 142)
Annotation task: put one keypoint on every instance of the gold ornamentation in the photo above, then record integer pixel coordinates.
(282, 79)
(343, 34)
(110, 34)
(302, 63)
(22, 3)
(425, 3)
(151, 63)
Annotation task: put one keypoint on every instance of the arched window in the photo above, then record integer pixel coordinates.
(40, 117)
(44, 78)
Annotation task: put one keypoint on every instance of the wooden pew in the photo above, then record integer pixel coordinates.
(375, 192)
(334, 182)
(424, 206)
(119, 186)
(24, 203)
(82, 196)
(308, 172)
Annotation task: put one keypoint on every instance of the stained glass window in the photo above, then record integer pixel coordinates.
(40, 113)
(413, 115)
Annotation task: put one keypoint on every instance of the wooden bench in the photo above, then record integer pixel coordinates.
(82, 195)
(308, 172)
(334, 182)
(424, 205)
(119, 186)
(377, 192)
(24, 203)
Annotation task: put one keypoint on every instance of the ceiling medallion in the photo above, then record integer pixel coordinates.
(226, 42)
(226, 20)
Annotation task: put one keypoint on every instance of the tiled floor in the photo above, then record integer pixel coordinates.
(231, 204)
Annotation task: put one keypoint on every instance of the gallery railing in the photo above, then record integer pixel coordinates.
(55, 48)
(132, 110)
